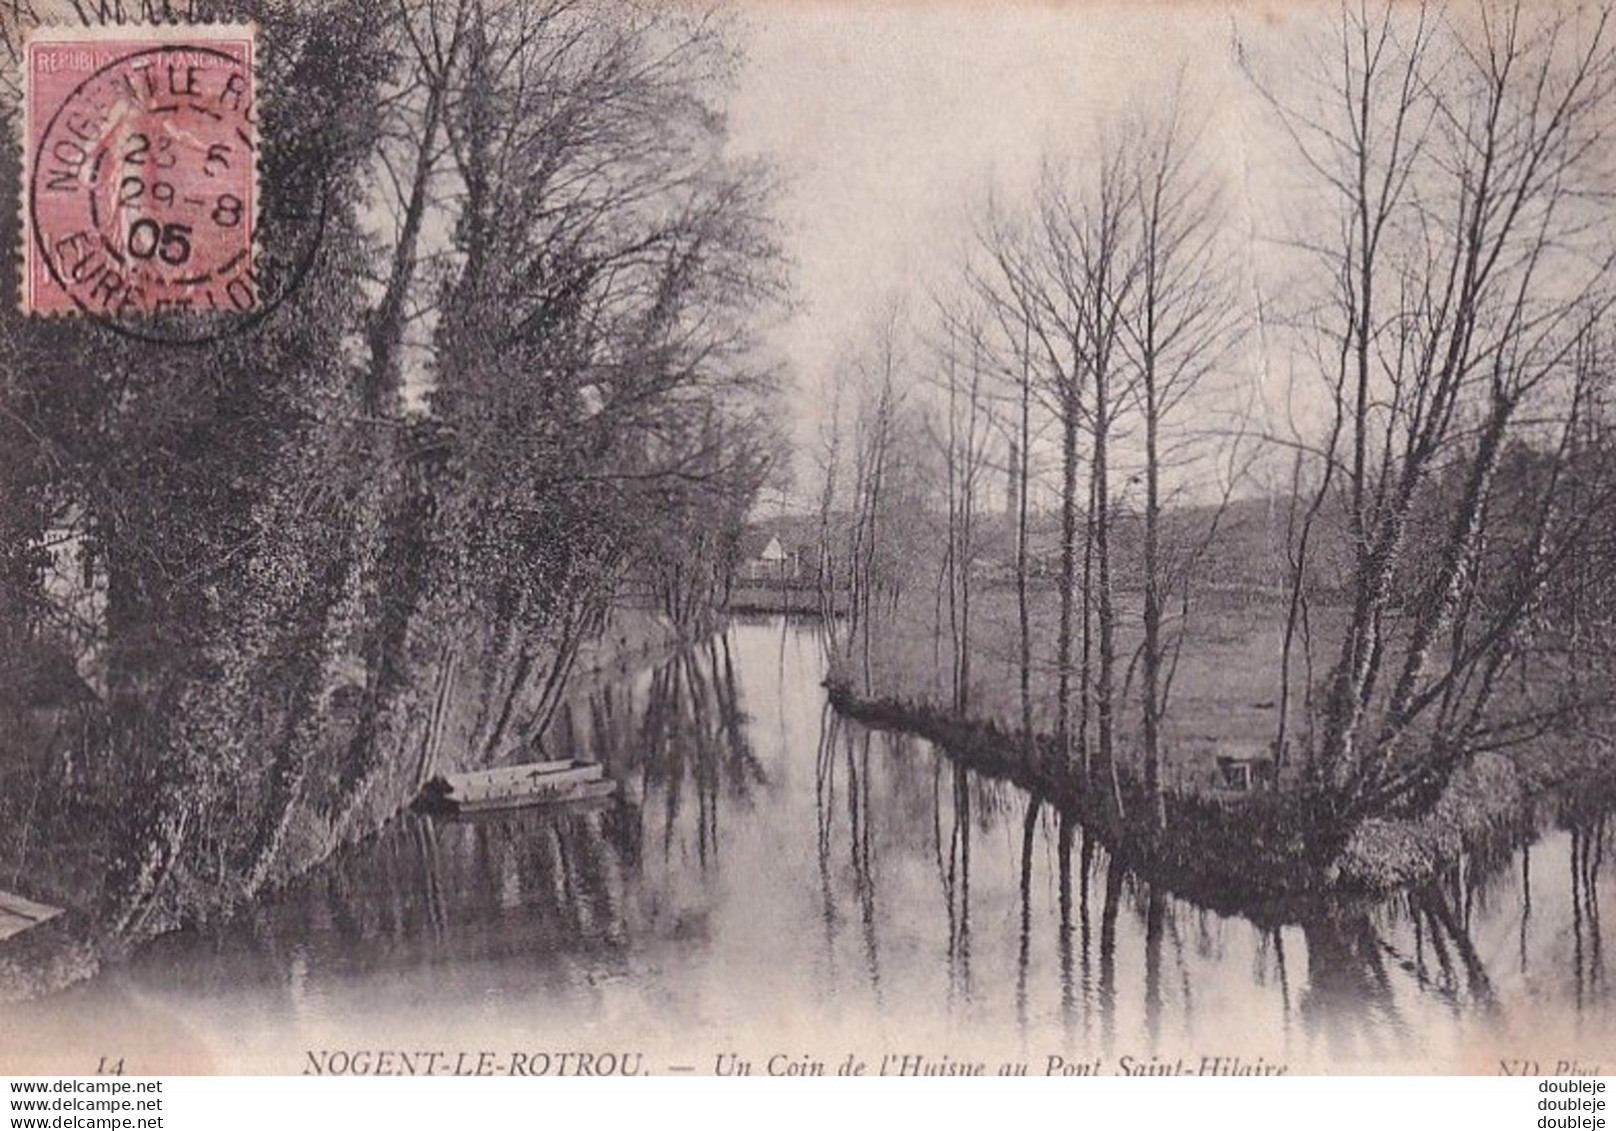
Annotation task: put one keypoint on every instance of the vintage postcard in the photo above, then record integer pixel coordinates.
(603, 538)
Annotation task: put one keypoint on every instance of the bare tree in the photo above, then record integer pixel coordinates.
(825, 575)
(1090, 233)
(1005, 280)
(870, 567)
(965, 439)
(1032, 271)
(1177, 330)
(1460, 155)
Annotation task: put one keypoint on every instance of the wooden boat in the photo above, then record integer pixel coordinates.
(510, 787)
(18, 914)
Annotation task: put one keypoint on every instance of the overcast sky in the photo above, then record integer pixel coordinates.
(890, 120)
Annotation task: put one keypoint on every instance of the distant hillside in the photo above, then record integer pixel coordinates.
(1247, 549)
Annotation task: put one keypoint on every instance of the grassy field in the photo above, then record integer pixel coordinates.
(1223, 697)
(1243, 848)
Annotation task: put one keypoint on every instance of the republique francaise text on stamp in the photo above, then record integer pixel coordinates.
(140, 164)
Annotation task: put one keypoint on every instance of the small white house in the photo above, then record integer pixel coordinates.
(770, 562)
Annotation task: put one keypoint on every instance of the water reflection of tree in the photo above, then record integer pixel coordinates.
(1348, 998)
(515, 889)
(954, 870)
(882, 788)
(830, 723)
(689, 734)
(1155, 916)
(1063, 854)
(1107, 996)
(1080, 1000)
(1127, 952)
(860, 820)
(1029, 827)
(1587, 856)
(1362, 961)
(1445, 922)
(677, 738)
(846, 748)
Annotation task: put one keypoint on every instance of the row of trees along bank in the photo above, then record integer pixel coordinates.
(254, 591)
(1372, 394)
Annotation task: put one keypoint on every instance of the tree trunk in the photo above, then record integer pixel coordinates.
(1104, 692)
(1152, 654)
(1023, 615)
(1068, 579)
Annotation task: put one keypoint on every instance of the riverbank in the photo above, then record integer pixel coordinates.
(60, 859)
(1235, 836)
(787, 598)
(859, 879)
(1244, 855)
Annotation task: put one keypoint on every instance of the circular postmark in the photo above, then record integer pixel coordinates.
(142, 189)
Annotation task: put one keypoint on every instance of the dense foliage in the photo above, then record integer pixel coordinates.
(254, 590)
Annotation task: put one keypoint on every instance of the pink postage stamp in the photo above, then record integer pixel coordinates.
(140, 167)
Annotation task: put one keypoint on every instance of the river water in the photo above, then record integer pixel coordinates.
(779, 881)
